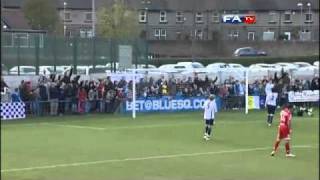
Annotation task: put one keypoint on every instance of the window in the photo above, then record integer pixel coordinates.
(199, 17)
(215, 17)
(88, 17)
(163, 16)
(86, 33)
(308, 17)
(163, 33)
(28, 70)
(272, 17)
(268, 36)
(179, 35)
(199, 34)
(287, 36)
(251, 35)
(32, 40)
(145, 1)
(160, 34)
(233, 35)
(157, 33)
(287, 17)
(143, 17)
(179, 17)
(21, 40)
(74, 15)
(69, 33)
(67, 16)
(305, 35)
(7, 40)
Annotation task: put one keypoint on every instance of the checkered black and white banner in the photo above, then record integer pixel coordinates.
(16, 110)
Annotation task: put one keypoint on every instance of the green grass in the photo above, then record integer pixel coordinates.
(151, 138)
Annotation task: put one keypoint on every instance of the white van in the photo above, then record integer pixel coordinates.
(24, 70)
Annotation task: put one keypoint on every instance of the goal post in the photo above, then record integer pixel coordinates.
(247, 91)
(134, 94)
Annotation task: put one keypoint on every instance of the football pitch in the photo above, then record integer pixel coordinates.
(166, 146)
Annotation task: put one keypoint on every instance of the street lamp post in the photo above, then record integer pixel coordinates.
(310, 17)
(309, 8)
(147, 25)
(147, 45)
(93, 18)
(64, 18)
(301, 20)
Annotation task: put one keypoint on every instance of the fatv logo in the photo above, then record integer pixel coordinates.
(236, 19)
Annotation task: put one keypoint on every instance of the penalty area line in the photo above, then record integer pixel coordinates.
(142, 158)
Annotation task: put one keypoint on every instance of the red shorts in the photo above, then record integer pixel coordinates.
(283, 132)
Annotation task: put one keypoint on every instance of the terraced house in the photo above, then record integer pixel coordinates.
(198, 19)
(181, 24)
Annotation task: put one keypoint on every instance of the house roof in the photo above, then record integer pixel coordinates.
(185, 5)
(14, 19)
(232, 4)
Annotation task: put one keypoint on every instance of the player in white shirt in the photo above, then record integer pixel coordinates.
(210, 108)
(269, 87)
(271, 104)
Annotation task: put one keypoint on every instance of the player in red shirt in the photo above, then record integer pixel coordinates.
(284, 130)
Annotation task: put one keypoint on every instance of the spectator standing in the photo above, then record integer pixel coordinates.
(82, 97)
(43, 99)
(68, 97)
(315, 83)
(92, 97)
(62, 98)
(15, 97)
(74, 97)
(54, 99)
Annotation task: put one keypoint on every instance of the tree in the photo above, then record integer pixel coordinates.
(41, 14)
(118, 21)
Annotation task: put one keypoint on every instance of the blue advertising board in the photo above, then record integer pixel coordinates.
(166, 104)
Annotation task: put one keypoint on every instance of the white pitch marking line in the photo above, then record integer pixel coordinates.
(143, 158)
(122, 127)
(74, 126)
(145, 126)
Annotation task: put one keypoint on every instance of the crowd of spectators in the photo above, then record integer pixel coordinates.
(60, 95)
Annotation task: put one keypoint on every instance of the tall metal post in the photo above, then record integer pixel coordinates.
(301, 20)
(93, 19)
(36, 37)
(75, 54)
(64, 19)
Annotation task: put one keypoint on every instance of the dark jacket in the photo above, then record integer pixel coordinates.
(54, 92)
(43, 93)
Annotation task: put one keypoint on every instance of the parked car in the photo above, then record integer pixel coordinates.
(218, 65)
(265, 66)
(4, 70)
(305, 70)
(234, 65)
(154, 73)
(110, 65)
(249, 51)
(167, 68)
(224, 71)
(191, 65)
(144, 66)
(261, 70)
(302, 64)
(47, 70)
(287, 67)
(316, 63)
(87, 70)
(24, 70)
